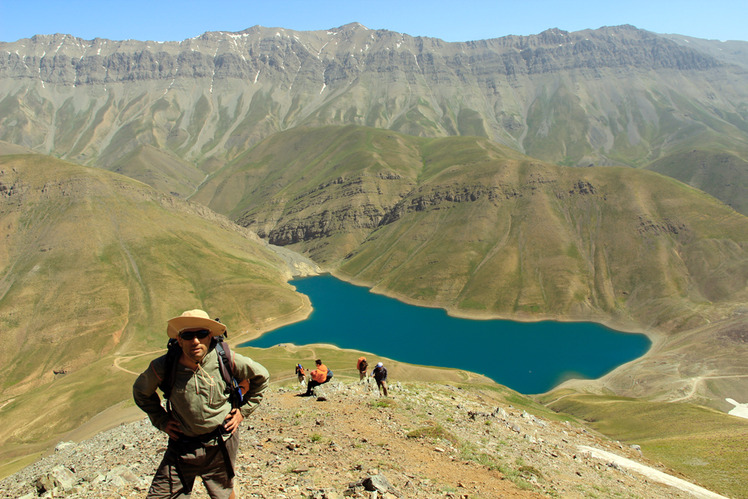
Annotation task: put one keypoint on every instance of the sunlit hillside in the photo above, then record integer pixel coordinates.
(479, 229)
(91, 267)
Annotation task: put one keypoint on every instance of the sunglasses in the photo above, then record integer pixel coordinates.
(191, 335)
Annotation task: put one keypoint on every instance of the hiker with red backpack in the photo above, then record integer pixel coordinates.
(362, 366)
(209, 392)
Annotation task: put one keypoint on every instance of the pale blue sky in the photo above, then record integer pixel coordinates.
(165, 20)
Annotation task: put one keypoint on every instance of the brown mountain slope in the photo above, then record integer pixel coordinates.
(91, 266)
(722, 174)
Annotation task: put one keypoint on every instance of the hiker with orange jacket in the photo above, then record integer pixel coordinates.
(317, 377)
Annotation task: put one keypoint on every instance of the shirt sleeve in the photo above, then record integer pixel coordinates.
(144, 393)
(258, 377)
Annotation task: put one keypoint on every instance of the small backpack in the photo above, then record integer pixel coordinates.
(329, 375)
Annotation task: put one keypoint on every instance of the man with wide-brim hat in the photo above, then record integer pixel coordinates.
(194, 319)
(199, 417)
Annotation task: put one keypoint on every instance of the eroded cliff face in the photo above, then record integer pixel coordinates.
(337, 55)
(344, 205)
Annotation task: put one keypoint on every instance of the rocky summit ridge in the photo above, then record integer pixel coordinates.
(427, 440)
(338, 54)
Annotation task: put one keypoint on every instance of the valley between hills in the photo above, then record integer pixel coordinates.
(591, 176)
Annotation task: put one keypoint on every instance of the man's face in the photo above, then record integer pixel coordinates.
(193, 346)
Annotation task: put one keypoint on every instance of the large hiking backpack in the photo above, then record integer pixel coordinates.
(362, 364)
(234, 388)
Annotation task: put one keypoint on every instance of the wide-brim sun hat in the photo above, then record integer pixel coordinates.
(194, 319)
(379, 364)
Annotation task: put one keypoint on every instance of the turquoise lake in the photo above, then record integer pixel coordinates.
(527, 357)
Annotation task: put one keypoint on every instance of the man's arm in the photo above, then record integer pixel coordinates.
(258, 378)
(144, 393)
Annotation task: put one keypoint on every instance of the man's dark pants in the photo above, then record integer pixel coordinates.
(186, 460)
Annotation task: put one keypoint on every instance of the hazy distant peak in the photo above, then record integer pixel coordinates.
(350, 26)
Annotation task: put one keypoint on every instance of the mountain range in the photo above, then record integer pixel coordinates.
(169, 113)
(596, 175)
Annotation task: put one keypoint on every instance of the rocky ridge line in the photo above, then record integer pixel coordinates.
(425, 441)
(67, 60)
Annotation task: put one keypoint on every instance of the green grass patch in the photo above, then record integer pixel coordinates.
(433, 431)
(700, 442)
(383, 403)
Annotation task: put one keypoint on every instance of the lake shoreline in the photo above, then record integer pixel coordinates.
(620, 326)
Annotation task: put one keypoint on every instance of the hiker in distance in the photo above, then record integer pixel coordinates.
(362, 366)
(201, 379)
(300, 373)
(380, 375)
(317, 377)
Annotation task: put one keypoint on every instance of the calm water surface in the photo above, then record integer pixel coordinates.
(527, 357)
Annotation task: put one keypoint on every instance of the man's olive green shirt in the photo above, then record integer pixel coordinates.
(199, 401)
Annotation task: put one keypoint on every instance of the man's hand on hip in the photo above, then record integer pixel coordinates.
(173, 429)
(232, 421)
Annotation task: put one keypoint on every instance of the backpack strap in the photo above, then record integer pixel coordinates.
(225, 360)
(226, 364)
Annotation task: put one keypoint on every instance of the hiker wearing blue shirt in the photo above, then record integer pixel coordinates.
(300, 373)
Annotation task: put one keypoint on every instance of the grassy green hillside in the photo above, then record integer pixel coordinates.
(537, 240)
(91, 267)
(704, 444)
(479, 229)
(310, 184)
(94, 264)
(720, 173)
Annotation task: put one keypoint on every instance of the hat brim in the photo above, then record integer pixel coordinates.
(178, 324)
